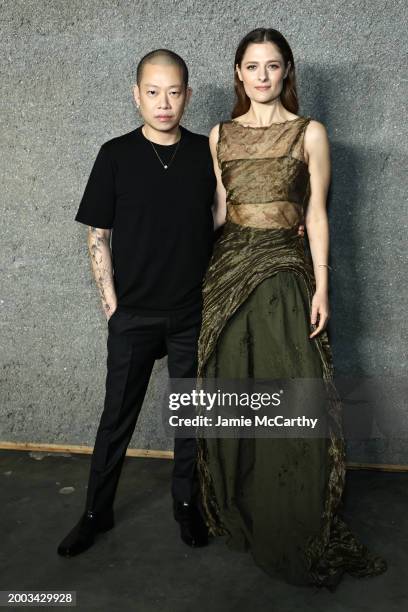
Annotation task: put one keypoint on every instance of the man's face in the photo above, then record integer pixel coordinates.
(161, 95)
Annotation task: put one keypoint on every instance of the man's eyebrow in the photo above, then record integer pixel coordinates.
(152, 85)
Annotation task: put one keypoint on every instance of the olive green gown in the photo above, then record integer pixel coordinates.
(278, 498)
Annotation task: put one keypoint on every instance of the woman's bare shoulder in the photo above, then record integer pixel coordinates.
(315, 130)
(214, 134)
(214, 131)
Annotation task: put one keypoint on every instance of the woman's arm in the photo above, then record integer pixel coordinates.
(317, 151)
(219, 207)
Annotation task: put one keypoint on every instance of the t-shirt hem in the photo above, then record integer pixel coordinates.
(151, 312)
(92, 223)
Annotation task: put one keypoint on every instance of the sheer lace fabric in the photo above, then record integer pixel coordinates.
(264, 173)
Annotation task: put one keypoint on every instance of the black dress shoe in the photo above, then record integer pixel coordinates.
(193, 530)
(82, 536)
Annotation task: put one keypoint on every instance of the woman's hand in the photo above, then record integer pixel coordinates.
(320, 313)
(301, 230)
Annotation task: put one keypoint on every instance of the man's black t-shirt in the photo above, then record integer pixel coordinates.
(161, 220)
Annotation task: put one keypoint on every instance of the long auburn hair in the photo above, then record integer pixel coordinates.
(288, 96)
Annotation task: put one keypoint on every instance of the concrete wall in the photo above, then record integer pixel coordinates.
(66, 77)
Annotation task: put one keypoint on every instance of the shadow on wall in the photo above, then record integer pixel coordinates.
(362, 182)
(209, 105)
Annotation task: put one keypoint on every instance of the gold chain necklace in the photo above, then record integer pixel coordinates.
(165, 166)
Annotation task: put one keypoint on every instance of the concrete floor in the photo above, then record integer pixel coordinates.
(142, 565)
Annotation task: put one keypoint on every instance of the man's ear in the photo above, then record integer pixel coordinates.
(189, 93)
(136, 94)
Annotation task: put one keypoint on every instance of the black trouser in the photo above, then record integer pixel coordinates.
(134, 343)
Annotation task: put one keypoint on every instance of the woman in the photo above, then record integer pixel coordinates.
(278, 497)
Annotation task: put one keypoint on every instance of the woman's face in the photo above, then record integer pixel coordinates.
(262, 71)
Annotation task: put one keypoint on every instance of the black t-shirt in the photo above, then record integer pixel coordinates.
(161, 220)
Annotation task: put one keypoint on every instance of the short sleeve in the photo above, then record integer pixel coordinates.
(97, 206)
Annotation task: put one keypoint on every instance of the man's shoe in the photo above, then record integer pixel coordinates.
(193, 530)
(82, 536)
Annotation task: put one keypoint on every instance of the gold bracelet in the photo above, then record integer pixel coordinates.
(326, 266)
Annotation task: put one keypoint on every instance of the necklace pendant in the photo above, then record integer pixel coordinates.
(165, 167)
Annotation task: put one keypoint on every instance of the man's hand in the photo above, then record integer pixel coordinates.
(301, 230)
(109, 310)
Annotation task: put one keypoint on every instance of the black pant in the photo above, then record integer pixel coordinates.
(134, 343)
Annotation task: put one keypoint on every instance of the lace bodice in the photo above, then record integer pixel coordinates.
(264, 173)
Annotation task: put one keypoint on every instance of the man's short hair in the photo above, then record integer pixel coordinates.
(165, 56)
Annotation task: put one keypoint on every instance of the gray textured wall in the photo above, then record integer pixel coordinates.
(66, 76)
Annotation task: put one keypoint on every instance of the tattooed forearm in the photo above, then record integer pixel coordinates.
(101, 260)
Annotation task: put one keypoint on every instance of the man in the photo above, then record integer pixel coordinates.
(154, 187)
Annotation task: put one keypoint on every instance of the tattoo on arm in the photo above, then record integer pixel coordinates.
(101, 261)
